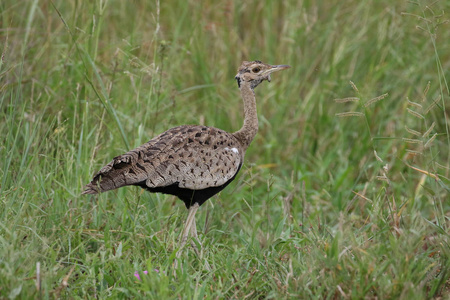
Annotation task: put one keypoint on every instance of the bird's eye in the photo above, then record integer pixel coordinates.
(256, 70)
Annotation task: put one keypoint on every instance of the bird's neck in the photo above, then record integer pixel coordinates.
(248, 131)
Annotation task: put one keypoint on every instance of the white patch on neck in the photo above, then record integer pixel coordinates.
(235, 150)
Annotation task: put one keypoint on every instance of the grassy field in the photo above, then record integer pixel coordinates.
(345, 190)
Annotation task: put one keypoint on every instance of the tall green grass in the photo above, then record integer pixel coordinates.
(345, 190)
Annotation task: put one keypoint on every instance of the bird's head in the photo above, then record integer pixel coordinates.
(255, 72)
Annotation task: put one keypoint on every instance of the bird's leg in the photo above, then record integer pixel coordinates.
(188, 225)
(187, 228)
(194, 234)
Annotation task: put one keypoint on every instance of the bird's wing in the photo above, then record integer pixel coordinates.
(200, 157)
(195, 157)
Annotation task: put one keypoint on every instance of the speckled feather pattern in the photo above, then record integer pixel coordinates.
(194, 157)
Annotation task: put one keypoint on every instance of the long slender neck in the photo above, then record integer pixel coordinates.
(248, 131)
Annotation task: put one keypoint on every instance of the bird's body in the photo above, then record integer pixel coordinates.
(191, 162)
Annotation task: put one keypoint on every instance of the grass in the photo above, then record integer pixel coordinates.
(344, 193)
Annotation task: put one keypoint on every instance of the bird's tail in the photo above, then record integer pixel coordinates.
(91, 188)
(108, 178)
(116, 174)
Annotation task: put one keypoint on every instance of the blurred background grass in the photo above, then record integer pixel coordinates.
(337, 198)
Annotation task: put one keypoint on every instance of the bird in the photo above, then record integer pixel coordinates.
(192, 162)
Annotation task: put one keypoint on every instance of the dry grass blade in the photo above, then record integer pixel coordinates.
(348, 99)
(413, 152)
(424, 29)
(412, 131)
(377, 157)
(287, 204)
(425, 91)
(64, 283)
(428, 143)
(412, 103)
(362, 196)
(429, 130)
(38, 277)
(376, 99)
(412, 141)
(344, 295)
(354, 86)
(415, 114)
(432, 105)
(434, 176)
(349, 114)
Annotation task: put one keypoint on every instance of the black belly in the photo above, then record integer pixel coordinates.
(188, 196)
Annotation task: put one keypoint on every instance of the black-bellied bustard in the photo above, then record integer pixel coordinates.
(191, 162)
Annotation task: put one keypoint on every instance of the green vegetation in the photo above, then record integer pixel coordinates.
(345, 190)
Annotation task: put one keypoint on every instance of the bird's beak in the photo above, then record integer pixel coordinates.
(275, 68)
(279, 67)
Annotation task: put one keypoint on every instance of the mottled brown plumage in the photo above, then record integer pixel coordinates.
(191, 162)
(190, 157)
